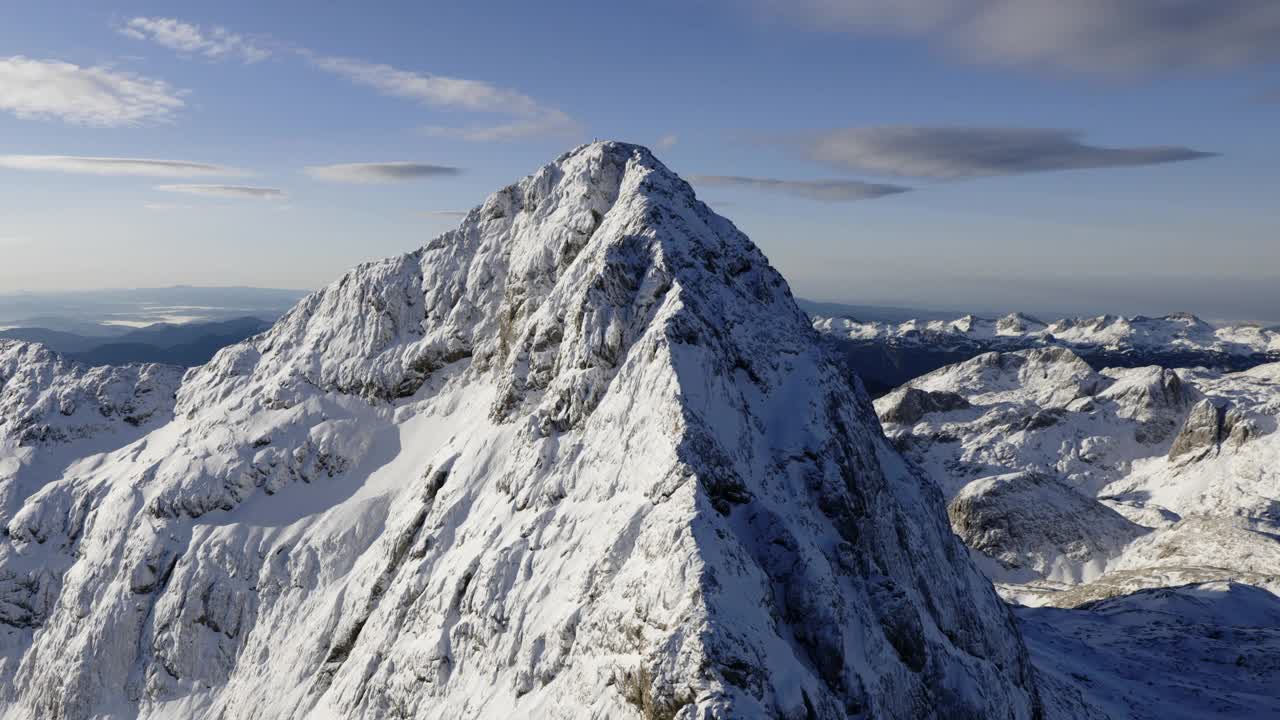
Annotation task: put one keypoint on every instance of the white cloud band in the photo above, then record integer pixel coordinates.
(379, 172)
(93, 96)
(145, 167)
(823, 190)
(227, 191)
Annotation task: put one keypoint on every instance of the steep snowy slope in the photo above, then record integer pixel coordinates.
(56, 417)
(580, 457)
(1036, 441)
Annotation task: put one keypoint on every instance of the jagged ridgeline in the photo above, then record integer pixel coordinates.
(580, 457)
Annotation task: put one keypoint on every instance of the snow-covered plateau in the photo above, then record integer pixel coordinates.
(584, 457)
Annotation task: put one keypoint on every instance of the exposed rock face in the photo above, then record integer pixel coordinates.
(1208, 426)
(1154, 397)
(1201, 431)
(1028, 521)
(911, 404)
(580, 457)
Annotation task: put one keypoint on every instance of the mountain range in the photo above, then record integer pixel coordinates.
(887, 354)
(182, 344)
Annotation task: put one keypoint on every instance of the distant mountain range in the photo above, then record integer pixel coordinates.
(871, 313)
(888, 353)
(105, 313)
(185, 345)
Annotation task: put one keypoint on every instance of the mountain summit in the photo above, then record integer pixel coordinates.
(580, 457)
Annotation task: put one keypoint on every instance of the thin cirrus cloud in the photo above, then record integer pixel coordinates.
(524, 116)
(947, 153)
(822, 190)
(92, 96)
(379, 172)
(235, 192)
(86, 165)
(216, 42)
(1102, 36)
(527, 116)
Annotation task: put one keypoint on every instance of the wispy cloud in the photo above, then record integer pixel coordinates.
(963, 152)
(666, 142)
(529, 117)
(215, 42)
(1089, 35)
(554, 123)
(525, 116)
(93, 96)
(227, 191)
(379, 172)
(823, 190)
(146, 167)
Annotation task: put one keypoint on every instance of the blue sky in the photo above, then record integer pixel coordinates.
(1163, 201)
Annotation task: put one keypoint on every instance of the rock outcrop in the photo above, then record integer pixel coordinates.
(1032, 522)
(1208, 426)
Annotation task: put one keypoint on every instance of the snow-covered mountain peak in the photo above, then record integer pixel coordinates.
(582, 456)
(1017, 323)
(544, 283)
